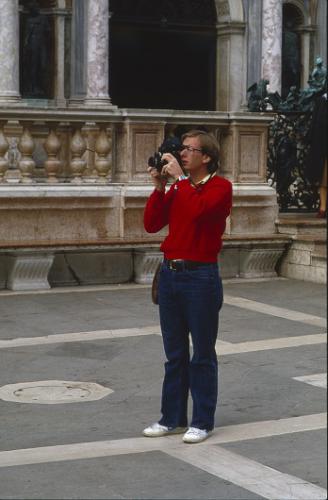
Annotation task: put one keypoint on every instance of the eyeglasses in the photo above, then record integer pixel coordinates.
(190, 149)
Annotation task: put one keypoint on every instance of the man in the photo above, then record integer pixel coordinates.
(190, 289)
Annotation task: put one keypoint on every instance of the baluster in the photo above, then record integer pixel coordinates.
(4, 146)
(52, 165)
(103, 160)
(26, 163)
(78, 148)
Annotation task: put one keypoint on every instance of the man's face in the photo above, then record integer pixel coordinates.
(192, 157)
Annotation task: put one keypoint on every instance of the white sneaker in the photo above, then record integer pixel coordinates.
(158, 430)
(195, 435)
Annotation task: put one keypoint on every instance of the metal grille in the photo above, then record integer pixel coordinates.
(287, 154)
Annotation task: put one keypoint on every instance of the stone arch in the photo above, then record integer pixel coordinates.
(299, 5)
(307, 15)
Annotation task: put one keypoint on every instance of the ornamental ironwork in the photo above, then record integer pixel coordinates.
(289, 145)
(287, 153)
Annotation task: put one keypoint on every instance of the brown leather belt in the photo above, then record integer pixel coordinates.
(181, 265)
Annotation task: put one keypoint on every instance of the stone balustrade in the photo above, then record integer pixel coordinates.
(99, 146)
(55, 152)
(73, 187)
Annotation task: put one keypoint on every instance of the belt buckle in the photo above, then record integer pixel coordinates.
(176, 264)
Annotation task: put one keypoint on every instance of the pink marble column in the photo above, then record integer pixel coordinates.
(97, 54)
(9, 51)
(272, 43)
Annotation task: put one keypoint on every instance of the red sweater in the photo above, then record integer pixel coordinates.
(196, 218)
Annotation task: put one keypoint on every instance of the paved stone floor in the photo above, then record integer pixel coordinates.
(61, 437)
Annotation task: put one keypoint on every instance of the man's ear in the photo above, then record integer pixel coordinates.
(206, 158)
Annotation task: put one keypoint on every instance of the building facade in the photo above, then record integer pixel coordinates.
(88, 91)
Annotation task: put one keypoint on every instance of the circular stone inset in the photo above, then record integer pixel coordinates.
(53, 392)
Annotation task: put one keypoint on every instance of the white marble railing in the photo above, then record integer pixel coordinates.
(44, 150)
(104, 146)
(73, 180)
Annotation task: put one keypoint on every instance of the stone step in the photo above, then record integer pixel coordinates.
(317, 244)
(301, 224)
(306, 258)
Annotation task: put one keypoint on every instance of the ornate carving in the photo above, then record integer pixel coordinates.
(30, 272)
(257, 100)
(302, 100)
(145, 264)
(224, 9)
(286, 162)
(288, 147)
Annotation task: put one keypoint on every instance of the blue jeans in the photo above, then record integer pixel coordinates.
(189, 302)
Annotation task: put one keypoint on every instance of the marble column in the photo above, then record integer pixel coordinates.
(9, 51)
(78, 59)
(253, 13)
(272, 43)
(97, 54)
(306, 69)
(321, 32)
(230, 66)
(61, 14)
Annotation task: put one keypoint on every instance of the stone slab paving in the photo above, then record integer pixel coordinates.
(270, 424)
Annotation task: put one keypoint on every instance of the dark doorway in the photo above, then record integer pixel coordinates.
(291, 49)
(36, 49)
(162, 54)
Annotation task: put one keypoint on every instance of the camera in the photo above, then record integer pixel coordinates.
(171, 145)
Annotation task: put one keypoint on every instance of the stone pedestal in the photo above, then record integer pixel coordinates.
(254, 210)
(29, 271)
(145, 264)
(306, 256)
(251, 256)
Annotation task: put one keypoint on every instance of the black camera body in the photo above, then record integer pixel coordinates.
(171, 145)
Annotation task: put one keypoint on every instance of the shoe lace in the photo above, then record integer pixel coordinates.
(195, 431)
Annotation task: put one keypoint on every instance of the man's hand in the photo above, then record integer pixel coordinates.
(172, 167)
(158, 180)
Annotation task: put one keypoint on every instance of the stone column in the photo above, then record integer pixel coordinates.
(230, 63)
(321, 32)
(61, 13)
(305, 55)
(78, 59)
(9, 51)
(253, 11)
(272, 43)
(97, 54)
